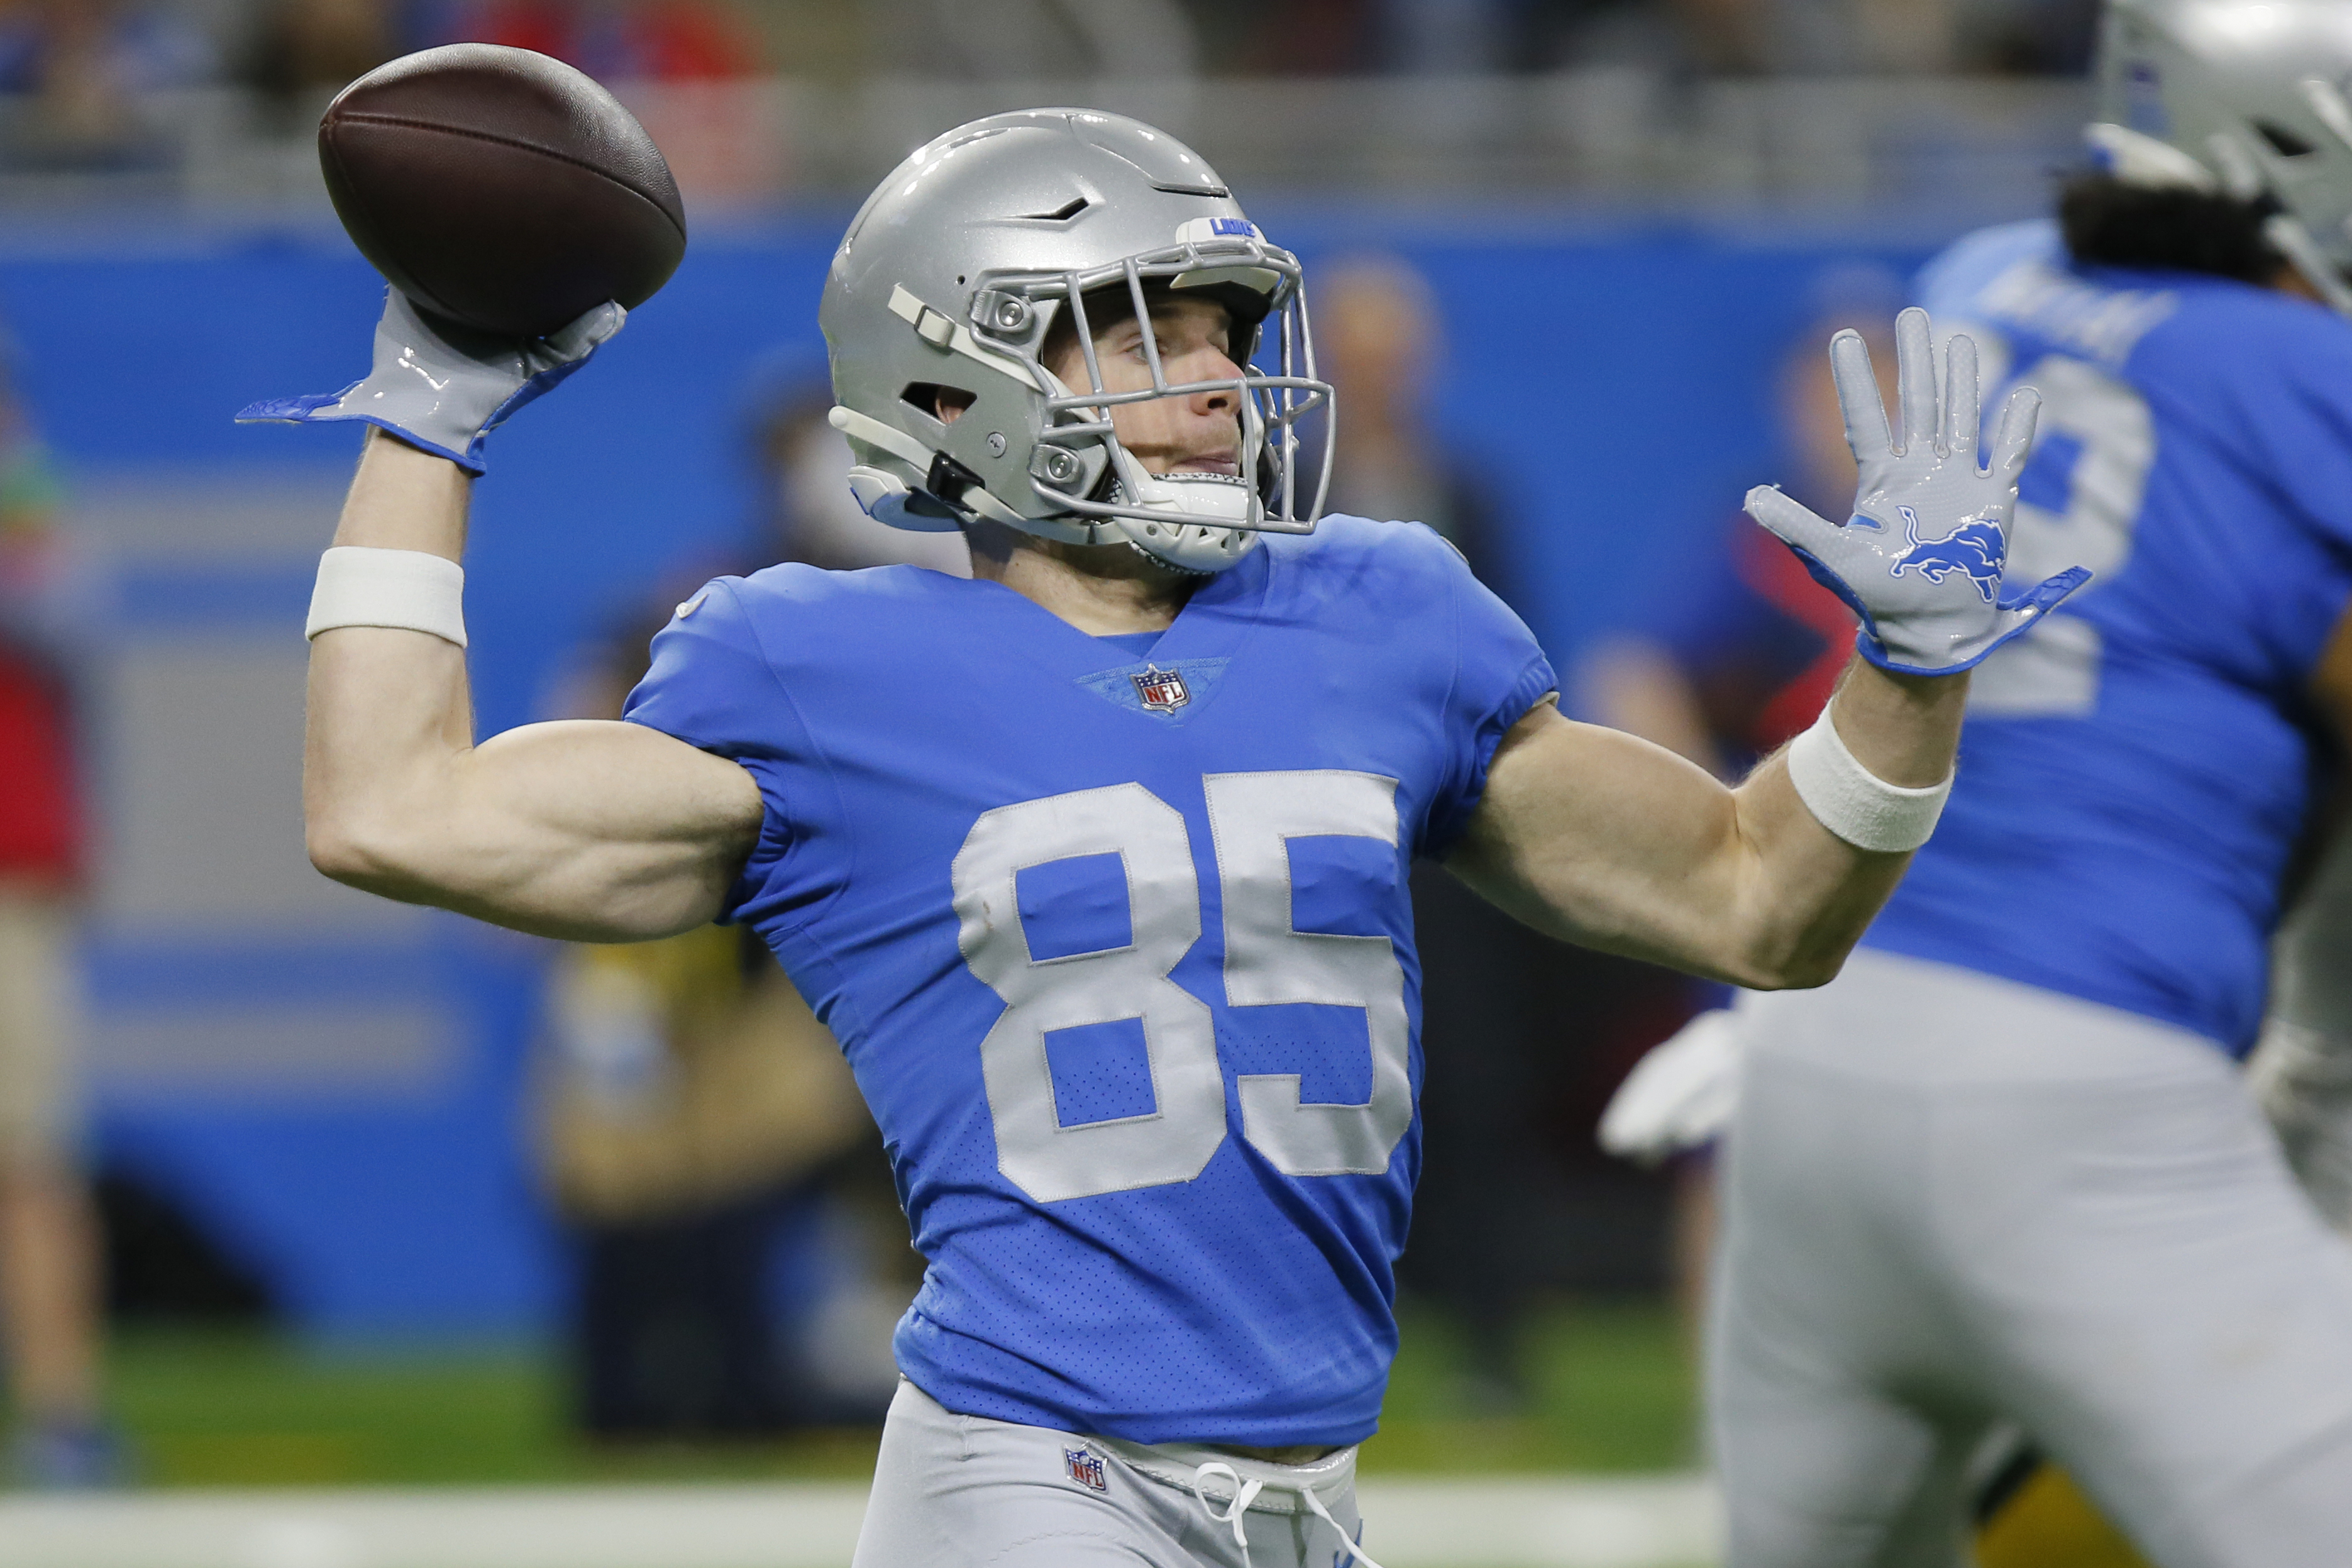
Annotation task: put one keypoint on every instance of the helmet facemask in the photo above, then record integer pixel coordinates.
(1096, 489)
(1080, 483)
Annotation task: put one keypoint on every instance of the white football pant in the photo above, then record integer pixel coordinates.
(1951, 1199)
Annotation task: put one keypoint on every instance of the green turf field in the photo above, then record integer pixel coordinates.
(1612, 1394)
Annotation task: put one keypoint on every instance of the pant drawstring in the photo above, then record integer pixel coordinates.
(1244, 1493)
(1245, 1490)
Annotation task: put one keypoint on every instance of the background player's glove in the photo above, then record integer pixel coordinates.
(1680, 1095)
(1921, 560)
(445, 387)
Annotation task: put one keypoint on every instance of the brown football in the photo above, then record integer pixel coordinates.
(501, 188)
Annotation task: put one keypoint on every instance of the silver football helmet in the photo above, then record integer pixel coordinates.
(2252, 98)
(957, 267)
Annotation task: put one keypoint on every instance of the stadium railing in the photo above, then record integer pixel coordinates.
(1608, 133)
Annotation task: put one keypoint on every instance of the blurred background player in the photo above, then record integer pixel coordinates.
(698, 1131)
(1724, 674)
(2003, 1167)
(49, 1249)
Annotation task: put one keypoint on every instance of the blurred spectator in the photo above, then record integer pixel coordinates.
(302, 49)
(50, 1289)
(2030, 38)
(1290, 37)
(687, 1113)
(1488, 1005)
(690, 1107)
(81, 68)
(1802, 37)
(805, 511)
(817, 40)
(1446, 38)
(1376, 333)
(614, 41)
(1820, 37)
(1521, 1036)
(688, 69)
(1032, 40)
(1743, 657)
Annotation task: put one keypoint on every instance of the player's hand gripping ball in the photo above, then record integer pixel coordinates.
(518, 212)
(1922, 559)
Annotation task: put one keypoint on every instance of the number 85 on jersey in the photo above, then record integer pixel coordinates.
(1252, 818)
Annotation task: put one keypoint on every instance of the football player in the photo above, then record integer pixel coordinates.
(2004, 1169)
(1097, 863)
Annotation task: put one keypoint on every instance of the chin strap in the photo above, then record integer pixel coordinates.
(1167, 565)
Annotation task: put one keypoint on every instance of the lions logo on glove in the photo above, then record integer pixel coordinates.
(1922, 559)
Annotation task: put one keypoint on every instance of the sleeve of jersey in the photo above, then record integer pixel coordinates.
(711, 687)
(2313, 443)
(2297, 427)
(1500, 672)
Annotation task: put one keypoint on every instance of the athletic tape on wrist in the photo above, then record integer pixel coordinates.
(407, 589)
(1854, 803)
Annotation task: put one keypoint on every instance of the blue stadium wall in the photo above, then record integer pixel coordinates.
(1612, 379)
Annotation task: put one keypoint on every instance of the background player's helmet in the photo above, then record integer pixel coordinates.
(2250, 98)
(956, 268)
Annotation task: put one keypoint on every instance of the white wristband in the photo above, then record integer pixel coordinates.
(1854, 803)
(408, 589)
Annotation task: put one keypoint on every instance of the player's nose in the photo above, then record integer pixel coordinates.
(1212, 364)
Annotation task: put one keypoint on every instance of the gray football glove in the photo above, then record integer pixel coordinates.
(1921, 559)
(445, 387)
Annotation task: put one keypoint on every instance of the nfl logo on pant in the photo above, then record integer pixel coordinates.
(1086, 1467)
(1161, 690)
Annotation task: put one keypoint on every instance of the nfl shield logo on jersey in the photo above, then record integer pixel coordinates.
(1161, 690)
(1086, 1467)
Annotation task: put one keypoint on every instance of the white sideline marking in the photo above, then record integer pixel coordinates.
(1664, 1521)
(1541, 1521)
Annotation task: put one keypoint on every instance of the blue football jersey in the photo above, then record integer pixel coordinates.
(2137, 769)
(1118, 944)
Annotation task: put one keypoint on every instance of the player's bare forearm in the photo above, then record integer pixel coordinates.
(593, 831)
(1606, 840)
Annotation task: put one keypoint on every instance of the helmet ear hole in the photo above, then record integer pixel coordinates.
(944, 404)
